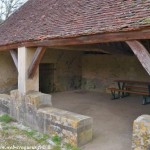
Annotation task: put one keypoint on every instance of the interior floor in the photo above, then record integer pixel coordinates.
(113, 119)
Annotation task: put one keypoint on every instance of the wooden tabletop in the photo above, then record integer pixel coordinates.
(134, 82)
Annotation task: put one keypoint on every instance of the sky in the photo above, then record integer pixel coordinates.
(3, 7)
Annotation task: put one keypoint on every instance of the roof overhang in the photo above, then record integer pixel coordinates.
(86, 39)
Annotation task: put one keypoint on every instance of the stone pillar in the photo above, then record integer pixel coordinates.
(141, 133)
(25, 56)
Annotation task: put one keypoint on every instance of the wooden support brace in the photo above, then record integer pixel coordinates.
(35, 61)
(142, 54)
(14, 57)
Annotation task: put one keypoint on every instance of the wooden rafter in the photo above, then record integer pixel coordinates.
(14, 56)
(86, 39)
(35, 61)
(142, 54)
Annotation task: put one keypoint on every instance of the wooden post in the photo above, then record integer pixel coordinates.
(142, 54)
(14, 57)
(25, 57)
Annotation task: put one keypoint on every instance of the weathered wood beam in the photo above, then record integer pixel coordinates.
(142, 54)
(35, 61)
(85, 39)
(80, 48)
(14, 56)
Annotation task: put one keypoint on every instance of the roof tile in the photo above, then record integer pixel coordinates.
(47, 19)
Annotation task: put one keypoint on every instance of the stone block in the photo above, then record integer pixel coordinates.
(15, 94)
(71, 127)
(34, 101)
(5, 103)
(23, 107)
(141, 133)
(38, 99)
(16, 105)
(41, 122)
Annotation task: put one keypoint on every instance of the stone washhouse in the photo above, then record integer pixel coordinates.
(52, 46)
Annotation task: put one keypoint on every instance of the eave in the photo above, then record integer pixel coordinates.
(86, 39)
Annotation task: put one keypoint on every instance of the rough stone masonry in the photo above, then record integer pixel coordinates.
(141, 133)
(35, 110)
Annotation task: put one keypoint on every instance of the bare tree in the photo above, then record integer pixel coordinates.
(7, 7)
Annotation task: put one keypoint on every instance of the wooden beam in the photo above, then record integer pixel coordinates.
(35, 61)
(81, 48)
(142, 54)
(83, 39)
(14, 56)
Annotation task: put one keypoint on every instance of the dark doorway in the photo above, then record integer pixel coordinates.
(46, 78)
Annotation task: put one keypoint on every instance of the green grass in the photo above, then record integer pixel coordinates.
(71, 147)
(56, 139)
(57, 147)
(42, 138)
(39, 137)
(5, 118)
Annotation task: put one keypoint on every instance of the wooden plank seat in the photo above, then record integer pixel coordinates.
(136, 88)
(121, 93)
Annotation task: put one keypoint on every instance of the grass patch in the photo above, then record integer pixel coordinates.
(4, 133)
(57, 147)
(29, 133)
(5, 118)
(70, 147)
(39, 137)
(56, 139)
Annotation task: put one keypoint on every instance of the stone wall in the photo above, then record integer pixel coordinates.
(35, 110)
(75, 70)
(8, 73)
(141, 133)
(99, 71)
(68, 68)
(67, 73)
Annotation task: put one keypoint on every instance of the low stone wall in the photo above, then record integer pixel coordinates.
(35, 110)
(141, 133)
(73, 128)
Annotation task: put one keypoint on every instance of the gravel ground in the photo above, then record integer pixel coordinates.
(19, 137)
(16, 135)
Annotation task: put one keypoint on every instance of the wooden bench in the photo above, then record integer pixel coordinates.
(121, 93)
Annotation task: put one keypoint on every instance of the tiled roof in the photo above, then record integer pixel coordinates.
(47, 19)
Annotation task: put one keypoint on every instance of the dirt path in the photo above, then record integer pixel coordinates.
(112, 119)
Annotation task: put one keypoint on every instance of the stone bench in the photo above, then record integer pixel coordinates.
(71, 127)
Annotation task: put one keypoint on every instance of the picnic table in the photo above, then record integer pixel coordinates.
(127, 87)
